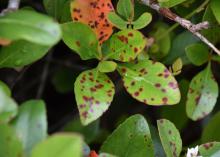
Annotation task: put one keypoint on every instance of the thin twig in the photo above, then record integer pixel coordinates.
(12, 6)
(44, 76)
(193, 28)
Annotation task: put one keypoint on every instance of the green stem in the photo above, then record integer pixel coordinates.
(197, 10)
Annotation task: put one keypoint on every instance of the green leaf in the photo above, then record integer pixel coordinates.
(94, 93)
(8, 107)
(142, 21)
(213, 33)
(5, 88)
(202, 94)
(107, 66)
(126, 45)
(197, 53)
(89, 132)
(125, 8)
(150, 82)
(21, 53)
(59, 145)
(162, 45)
(170, 3)
(131, 139)
(10, 145)
(211, 149)
(80, 38)
(215, 9)
(117, 21)
(216, 58)
(31, 26)
(31, 124)
(179, 43)
(170, 138)
(175, 113)
(63, 80)
(211, 130)
(59, 9)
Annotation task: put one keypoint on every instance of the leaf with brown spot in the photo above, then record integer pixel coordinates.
(126, 45)
(94, 13)
(170, 138)
(211, 149)
(202, 94)
(150, 82)
(94, 92)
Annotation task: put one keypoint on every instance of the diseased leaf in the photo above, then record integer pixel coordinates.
(126, 45)
(202, 94)
(175, 112)
(131, 139)
(211, 149)
(197, 53)
(30, 26)
(117, 21)
(142, 21)
(125, 8)
(94, 93)
(10, 146)
(170, 138)
(94, 13)
(59, 145)
(150, 82)
(31, 124)
(211, 130)
(80, 38)
(21, 53)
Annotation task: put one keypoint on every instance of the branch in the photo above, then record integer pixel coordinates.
(44, 76)
(193, 28)
(12, 6)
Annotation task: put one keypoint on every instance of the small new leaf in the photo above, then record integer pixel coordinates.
(107, 66)
(142, 21)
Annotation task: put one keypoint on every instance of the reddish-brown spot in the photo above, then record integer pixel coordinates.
(158, 85)
(123, 39)
(78, 43)
(123, 70)
(165, 100)
(85, 114)
(140, 89)
(92, 89)
(130, 34)
(136, 94)
(135, 49)
(132, 83)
